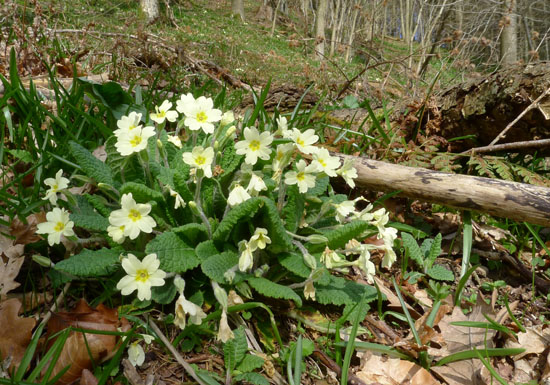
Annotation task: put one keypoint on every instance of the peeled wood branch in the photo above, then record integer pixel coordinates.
(517, 201)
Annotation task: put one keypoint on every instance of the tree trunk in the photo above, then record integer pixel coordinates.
(509, 36)
(151, 9)
(320, 29)
(517, 201)
(237, 8)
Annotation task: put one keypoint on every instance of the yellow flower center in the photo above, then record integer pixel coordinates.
(161, 114)
(59, 227)
(134, 215)
(200, 160)
(300, 176)
(323, 163)
(300, 141)
(135, 141)
(254, 145)
(55, 187)
(142, 275)
(201, 117)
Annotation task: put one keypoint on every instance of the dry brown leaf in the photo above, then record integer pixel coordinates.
(460, 338)
(8, 272)
(26, 233)
(88, 378)
(393, 371)
(77, 349)
(534, 341)
(394, 303)
(15, 333)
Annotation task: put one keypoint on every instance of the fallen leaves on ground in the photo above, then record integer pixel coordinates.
(81, 348)
(392, 371)
(15, 333)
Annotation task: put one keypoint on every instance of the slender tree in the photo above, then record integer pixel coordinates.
(150, 8)
(509, 36)
(237, 8)
(320, 28)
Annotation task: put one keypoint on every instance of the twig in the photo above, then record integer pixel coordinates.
(56, 304)
(541, 143)
(327, 361)
(188, 368)
(529, 108)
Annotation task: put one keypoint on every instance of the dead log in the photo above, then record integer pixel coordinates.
(517, 201)
(483, 107)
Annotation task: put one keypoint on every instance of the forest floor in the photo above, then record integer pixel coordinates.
(451, 310)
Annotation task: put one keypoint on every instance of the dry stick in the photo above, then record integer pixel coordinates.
(175, 353)
(535, 104)
(56, 304)
(541, 143)
(325, 359)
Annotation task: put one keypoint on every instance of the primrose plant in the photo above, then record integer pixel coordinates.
(193, 200)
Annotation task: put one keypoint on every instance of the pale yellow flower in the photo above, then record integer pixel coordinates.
(133, 216)
(141, 276)
(56, 184)
(57, 224)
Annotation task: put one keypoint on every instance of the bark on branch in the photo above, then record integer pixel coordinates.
(517, 201)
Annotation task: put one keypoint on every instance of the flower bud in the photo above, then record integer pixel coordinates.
(227, 118)
(194, 209)
(310, 261)
(230, 131)
(317, 239)
(42, 261)
(220, 294)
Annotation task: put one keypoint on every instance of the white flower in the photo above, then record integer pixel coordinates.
(175, 140)
(141, 276)
(303, 177)
(200, 158)
(136, 355)
(379, 219)
(254, 145)
(330, 258)
(200, 115)
(133, 216)
(309, 290)
(282, 156)
(388, 235)
(163, 112)
(237, 195)
(126, 124)
(345, 208)
(56, 184)
(256, 185)
(365, 214)
(227, 118)
(184, 307)
(184, 102)
(117, 233)
(282, 128)
(179, 200)
(224, 332)
(134, 141)
(326, 163)
(348, 172)
(305, 140)
(260, 239)
(365, 264)
(246, 260)
(57, 224)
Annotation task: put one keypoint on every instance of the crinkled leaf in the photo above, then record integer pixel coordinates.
(192, 233)
(250, 362)
(253, 378)
(280, 240)
(90, 263)
(435, 251)
(293, 209)
(174, 254)
(93, 221)
(98, 203)
(320, 187)
(338, 237)
(141, 193)
(92, 166)
(217, 265)
(294, 263)
(274, 290)
(415, 252)
(340, 291)
(246, 210)
(234, 350)
(206, 249)
(164, 294)
(440, 273)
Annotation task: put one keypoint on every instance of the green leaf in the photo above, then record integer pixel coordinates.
(141, 193)
(206, 249)
(90, 263)
(192, 233)
(340, 291)
(164, 294)
(250, 362)
(230, 160)
(92, 166)
(338, 237)
(280, 240)
(98, 203)
(274, 290)
(235, 349)
(440, 273)
(92, 221)
(413, 249)
(246, 210)
(435, 251)
(215, 266)
(293, 209)
(294, 263)
(253, 378)
(320, 187)
(174, 254)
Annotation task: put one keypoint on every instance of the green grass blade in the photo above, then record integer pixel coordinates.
(467, 242)
(462, 283)
(350, 348)
(298, 361)
(469, 354)
(378, 348)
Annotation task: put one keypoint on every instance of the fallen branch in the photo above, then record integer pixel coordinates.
(517, 201)
(541, 143)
